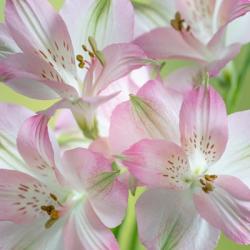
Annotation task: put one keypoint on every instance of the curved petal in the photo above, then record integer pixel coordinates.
(203, 126)
(107, 21)
(152, 14)
(11, 120)
(93, 173)
(227, 208)
(36, 27)
(199, 15)
(158, 110)
(32, 236)
(157, 163)
(85, 231)
(120, 59)
(167, 220)
(21, 197)
(124, 131)
(153, 113)
(35, 147)
(33, 77)
(235, 160)
(8, 45)
(152, 43)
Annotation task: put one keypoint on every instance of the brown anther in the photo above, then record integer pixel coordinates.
(178, 23)
(53, 197)
(50, 223)
(202, 182)
(79, 58)
(91, 54)
(211, 177)
(54, 214)
(84, 48)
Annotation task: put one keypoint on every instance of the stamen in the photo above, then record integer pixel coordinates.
(178, 23)
(207, 183)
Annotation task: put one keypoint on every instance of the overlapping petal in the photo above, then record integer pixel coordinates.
(203, 126)
(227, 208)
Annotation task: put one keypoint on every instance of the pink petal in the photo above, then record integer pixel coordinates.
(227, 208)
(199, 15)
(93, 173)
(120, 59)
(35, 146)
(203, 126)
(8, 45)
(167, 220)
(161, 116)
(102, 26)
(152, 14)
(34, 236)
(11, 119)
(31, 76)
(157, 163)
(37, 26)
(152, 43)
(85, 231)
(124, 131)
(102, 146)
(235, 160)
(21, 197)
(232, 9)
(153, 113)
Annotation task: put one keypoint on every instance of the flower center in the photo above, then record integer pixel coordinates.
(207, 183)
(92, 53)
(53, 213)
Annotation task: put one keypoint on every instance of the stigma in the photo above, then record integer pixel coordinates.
(207, 183)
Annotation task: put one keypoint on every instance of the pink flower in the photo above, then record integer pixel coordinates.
(202, 31)
(56, 61)
(58, 202)
(199, 181)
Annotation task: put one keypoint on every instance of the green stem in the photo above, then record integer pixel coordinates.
(241, 76)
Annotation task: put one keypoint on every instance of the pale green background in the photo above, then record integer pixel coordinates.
(7, 95)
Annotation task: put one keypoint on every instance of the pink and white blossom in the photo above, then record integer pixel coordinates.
(198, 182)
(58, 202)
(55, 60)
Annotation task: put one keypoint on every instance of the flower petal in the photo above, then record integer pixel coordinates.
(33, 77)
(227, 208)
(152, 44)
(93, 173)
(203, 126)
(37, 26)
(11, 120)
(167, 220)
(96, 18)
(120, 59)
(21, 197)
(153, 113)
(35, 147)
(8, 45)
(152, 14)
(85, 231)
(235, 160)
(122, 117)
(157, 163)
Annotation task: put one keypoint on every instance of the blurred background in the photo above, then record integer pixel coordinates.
(233, 84)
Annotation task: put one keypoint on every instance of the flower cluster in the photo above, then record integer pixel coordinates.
(118, 124)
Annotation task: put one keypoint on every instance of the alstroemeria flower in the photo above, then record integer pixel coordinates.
(200, 186)
(56, 61)
(58, 203)
(200, 32)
